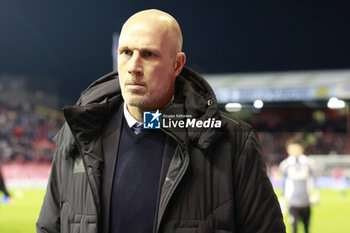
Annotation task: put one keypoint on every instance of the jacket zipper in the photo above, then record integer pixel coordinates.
(174, 183)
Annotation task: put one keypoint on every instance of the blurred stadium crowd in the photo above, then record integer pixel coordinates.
(316, 143)
(26, 131)
(323, 132)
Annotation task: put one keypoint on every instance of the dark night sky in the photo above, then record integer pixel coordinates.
(70, 41)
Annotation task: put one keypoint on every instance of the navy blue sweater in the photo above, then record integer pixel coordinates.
(136, 181)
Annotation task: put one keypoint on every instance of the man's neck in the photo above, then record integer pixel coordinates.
(136, 112)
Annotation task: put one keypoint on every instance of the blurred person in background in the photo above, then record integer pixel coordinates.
(4, 189)
(111, 175)
(299, 184)
(339, 181)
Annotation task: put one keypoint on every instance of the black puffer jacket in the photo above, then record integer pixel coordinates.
(216, 180)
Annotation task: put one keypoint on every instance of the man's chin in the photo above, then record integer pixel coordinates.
(136, 102)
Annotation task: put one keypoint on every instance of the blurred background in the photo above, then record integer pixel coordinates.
(283, 67)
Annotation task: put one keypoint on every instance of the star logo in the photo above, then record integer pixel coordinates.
(156, 115)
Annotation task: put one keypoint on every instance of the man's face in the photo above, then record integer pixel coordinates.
(295, 149)
(146, 65)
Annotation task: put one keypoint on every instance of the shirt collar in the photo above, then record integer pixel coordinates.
(128, 117)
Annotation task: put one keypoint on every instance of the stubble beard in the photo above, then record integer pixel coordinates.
(145, 100)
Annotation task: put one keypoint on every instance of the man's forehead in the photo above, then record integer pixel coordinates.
(146, 27)
(144, 35)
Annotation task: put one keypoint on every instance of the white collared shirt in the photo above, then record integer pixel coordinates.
(129, 118)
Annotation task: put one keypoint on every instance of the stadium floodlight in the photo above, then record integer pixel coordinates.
(335, 103)
(258, 104)
(233, 107)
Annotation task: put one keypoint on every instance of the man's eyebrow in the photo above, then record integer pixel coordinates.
(143, 48)
(122, 48)
(149, 48)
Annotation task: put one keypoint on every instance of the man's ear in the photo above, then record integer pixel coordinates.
(180, 62)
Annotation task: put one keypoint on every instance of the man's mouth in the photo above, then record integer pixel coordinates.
(135, 85)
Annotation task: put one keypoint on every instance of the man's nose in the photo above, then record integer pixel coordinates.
(135, 65)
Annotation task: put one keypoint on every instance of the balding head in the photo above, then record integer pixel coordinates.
(161, 22)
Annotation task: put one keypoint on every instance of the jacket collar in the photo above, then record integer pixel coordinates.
(94, 108)
(193, 96)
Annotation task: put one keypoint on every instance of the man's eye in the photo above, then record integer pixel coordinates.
(148, 54)
(126, 52)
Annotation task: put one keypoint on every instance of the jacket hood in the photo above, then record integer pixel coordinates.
(193, 96)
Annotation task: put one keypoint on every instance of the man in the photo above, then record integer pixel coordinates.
(110, 175)
(298, 183)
